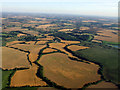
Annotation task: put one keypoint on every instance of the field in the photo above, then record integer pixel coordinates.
(48, 50)
(33, 49)
(89, 21)
(104, 85)
(14, 29)
(76, 47)
(13, 42)
(41, 42)
(96, 41)
(64, 30)
(5, 77)
(107, 35)
(35, 33)
(27, 78)
(19, 35)
(60, 46)
(28, 25)
(45, 39)
(12, 58)
(69, 42)
(46, 26)
(30, 42)
(108, 58)
(57, 68)
(84, 28)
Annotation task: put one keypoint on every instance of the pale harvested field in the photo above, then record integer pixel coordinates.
(84, 28)
(76, 47)
(19, 35)
(65, 72)
(40, 19)
(103, 84)
(12, 58)
(35, 33)
(33, 49)
(27, 77)
(41, 42)
(64, 30)
(67, 24)
(30, 42)
(96, 41)
(13, 29)
(42, 22)
(48, 50)
(90, 21)
(13, 42)
(60, 46)
(46, 26)
(107, 35)
(69, 42)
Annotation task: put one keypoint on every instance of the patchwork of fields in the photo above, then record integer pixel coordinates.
(50, 52)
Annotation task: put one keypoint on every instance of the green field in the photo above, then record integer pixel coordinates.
(108, 58)
(5, 78)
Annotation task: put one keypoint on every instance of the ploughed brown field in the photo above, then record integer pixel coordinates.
(104, 85)
(107, 35)
(58, 68)
(12, 58)
(48, 50)
(27, 78)
(61, 46)
(76, 47)
(33, 49)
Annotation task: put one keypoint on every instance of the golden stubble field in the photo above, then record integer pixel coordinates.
(45, 26)
(27, 78)
(61, 46)
(48, 50)
(12, 58)
(13, 42)
(76, 47)
(33, 49)
(65, 30)
(58, 68)
(41, 42)
(69, 42)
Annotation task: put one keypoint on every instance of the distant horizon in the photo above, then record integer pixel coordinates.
(62, 14)
(103, 8)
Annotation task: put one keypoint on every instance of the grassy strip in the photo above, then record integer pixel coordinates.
(113, 43)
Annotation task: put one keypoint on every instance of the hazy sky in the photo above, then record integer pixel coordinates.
(79, 7)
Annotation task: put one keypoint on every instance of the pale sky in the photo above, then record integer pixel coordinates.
(77, 7)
